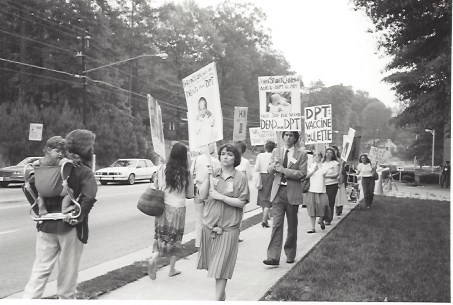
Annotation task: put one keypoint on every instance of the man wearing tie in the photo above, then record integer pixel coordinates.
(289, 166)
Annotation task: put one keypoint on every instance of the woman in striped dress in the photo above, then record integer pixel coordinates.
(227, 193)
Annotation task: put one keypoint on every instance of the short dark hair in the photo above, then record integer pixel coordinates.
(269, 146)
(241, 146)
(295, 133)
(205, 102)
(234, 150)
(367, 159)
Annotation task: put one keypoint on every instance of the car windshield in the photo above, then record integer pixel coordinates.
(124, 163)
(28, 160)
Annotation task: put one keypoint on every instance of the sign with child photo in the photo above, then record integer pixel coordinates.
(204, 112)
(280, 103)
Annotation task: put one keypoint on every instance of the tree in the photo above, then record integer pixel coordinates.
(375, 122)
(417, 34)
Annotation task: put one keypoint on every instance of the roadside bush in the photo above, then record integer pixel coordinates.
(407, 179)
(431, 178)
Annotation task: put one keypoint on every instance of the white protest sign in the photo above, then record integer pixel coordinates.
(157, 131)
(204, 118)
(280, 102)
(260, 136)
(35, 133)
(347, 143)
(379, 155)
(318, 124)
(240, 123)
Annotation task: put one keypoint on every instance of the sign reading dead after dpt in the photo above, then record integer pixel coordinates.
(318, 124)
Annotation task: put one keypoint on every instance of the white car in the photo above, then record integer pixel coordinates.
(126, 170)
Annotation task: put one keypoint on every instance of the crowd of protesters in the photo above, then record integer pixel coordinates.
(219, 183)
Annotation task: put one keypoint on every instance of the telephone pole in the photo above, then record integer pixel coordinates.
(85, 39)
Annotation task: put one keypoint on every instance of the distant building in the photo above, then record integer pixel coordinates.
(390, 146)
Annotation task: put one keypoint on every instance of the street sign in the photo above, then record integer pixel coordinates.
(35, 133)
(400, 166)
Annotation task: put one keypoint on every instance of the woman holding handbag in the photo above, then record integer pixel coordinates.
(227, 193)
(264, 181)
(366, 172)
(175, 180)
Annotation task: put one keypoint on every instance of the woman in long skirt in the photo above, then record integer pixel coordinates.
(316, 200)
(227, 193)
(265, 186)
(174, 179)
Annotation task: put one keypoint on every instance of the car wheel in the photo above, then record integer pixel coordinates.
(131, 179)
(104, 182)
(4, 184)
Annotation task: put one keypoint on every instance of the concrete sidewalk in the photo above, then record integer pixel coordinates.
(251, 278)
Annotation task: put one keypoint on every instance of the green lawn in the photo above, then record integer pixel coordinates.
(398, 251)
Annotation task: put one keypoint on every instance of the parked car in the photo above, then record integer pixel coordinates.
(126, 170)
(15, 174)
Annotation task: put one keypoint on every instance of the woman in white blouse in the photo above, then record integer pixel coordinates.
(265, 179)
(316, 199)
(365, 171)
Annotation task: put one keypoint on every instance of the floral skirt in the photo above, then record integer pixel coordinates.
(169, 230)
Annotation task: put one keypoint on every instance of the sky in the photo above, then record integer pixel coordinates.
(326, 40)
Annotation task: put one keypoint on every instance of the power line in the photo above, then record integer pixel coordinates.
(26, 38)
(43, 76)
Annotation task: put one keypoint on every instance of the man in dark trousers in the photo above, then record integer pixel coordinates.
(289, 166)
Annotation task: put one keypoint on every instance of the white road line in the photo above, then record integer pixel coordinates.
(12, 206)
(6, 232)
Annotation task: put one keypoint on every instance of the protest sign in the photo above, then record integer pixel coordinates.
(260, 136)
(240, 123)
(318, 124)
(378, 155)
(204, 117)
(35, 133)
(157, 131)
(347, 144)
(280, 103)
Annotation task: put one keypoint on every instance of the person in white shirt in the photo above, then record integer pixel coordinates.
(365, 171)
(333, 171)
(199, 170)
(244, 166)
(264, 181)
(317, 201)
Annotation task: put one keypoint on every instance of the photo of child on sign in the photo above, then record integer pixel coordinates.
(205, 122)
(278, 102)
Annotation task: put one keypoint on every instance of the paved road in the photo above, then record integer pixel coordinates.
(117, 228)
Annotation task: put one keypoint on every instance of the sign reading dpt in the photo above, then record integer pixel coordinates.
(318, 124)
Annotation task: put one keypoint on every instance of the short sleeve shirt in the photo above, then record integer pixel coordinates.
(317, 180)
(216, 213)
(365, 170)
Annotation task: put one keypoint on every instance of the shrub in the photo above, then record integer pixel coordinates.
(430, 178)
(407, 179)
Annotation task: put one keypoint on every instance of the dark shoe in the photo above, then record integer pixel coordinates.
(290, 260)
(241, 240)
(323, 226)
(311, 231)
(271, 262)
(264, 225)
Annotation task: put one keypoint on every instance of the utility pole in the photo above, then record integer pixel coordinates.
(85, 44)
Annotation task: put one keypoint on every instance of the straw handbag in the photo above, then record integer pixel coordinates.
(151, 202)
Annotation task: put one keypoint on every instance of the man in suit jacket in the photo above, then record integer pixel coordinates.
(289, 166)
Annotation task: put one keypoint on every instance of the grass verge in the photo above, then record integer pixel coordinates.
(397, 251)
(94, 288)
